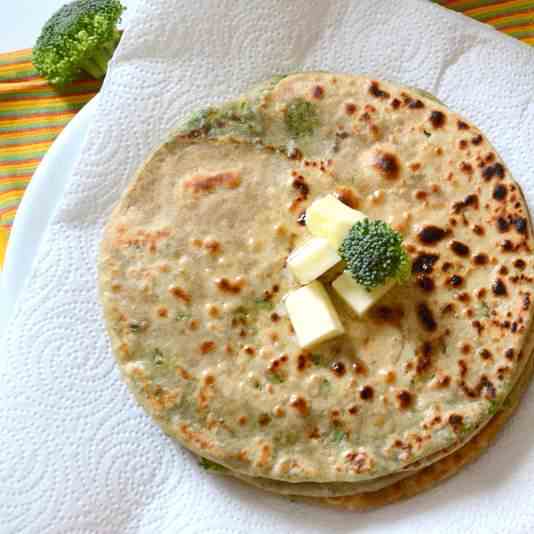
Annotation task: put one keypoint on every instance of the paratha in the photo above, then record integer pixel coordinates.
(193, 275)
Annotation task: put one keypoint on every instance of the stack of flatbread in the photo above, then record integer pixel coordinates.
(193, 277)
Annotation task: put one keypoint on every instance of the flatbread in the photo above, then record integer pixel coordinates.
(192, 278)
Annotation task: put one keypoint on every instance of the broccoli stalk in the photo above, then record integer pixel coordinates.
(80, 36)
(374, 254)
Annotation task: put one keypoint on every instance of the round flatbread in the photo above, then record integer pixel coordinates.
(193, 275)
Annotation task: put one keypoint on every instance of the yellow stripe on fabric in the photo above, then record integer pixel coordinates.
(511, 20)
(15, 69)
(3, 243)
(43, 103)
(17, 122)
(12, 57)
(509, 6)
(23, 149)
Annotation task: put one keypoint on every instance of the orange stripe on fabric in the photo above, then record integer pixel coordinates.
(34, 161)
(497, 6)
(30, 131)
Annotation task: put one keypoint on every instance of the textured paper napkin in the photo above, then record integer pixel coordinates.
(76, 453)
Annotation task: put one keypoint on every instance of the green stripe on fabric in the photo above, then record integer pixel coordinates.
(518, 20)
(17, 186)
(23, 157)
(14, 77)
(60, 106)
(475, 4)
(76, 90)
(37, 138)
(41, 124)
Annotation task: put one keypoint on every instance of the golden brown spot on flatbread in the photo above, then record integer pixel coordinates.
(360, 461)
(265, 455)
(404, 399)
(207, 346)
(424, 357)
(497, 169)
(466, 168)
(499, 288)
(437, 119)
(299, 404)
(426, 317)
(459, 248)
(203, 183)
(431, 234)
(212, 246)
(348, 197)
(230, 286)
(388, 165)
(318, 92)
(264, 419)
(367, 393)
(455, 281)
(338, 368)
(374, 90)
(180, 294)
(456, 421)
(183, 373)
(350, 108)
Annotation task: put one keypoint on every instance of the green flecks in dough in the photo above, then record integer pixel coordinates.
(494, 406)
(183, 316)
(338, 436)
(301, 117)
(324, 388)
(317, 358)
(274, 378)
(235, 117)
(483, 311)
(262, 304)
(157, 357)
(210, 466)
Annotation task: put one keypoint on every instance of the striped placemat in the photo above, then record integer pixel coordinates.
(513, 17)
(32, 113)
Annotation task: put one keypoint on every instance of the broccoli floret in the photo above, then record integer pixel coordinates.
(80, 36)
(301, 117)
(374, 253)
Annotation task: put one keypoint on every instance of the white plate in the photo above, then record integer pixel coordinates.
(38, 206)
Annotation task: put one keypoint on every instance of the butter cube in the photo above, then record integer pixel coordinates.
(312, 259)
(312, 315)
(356, 295)
(329, 218)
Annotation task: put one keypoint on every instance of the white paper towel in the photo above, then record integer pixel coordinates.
(76, 453)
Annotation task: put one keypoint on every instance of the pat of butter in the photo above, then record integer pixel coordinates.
(312, 315)
(312, 259)
(356, 296)
(329, 218)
